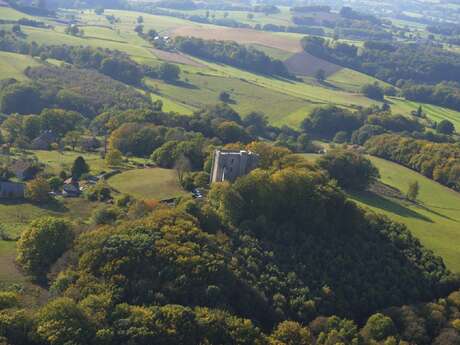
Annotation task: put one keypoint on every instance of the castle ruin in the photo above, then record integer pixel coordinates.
(229, 165)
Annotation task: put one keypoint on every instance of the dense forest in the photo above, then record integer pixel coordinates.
(167, 276)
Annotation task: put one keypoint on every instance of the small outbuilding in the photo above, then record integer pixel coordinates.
(44, 141)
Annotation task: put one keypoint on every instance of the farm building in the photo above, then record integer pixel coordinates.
(24, 170)
(11, 190)
(229, 165)
(44, 141)
(71, 188)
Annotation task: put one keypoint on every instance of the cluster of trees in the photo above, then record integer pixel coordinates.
(351, 170)
(20, 128)
(373, 91)
(266, 9)
(391, 62)
(302, 27)
(82, 90)
(231, 53)
(141, 132)
(311, 8)
(282, 243)
(297, 211)
(342, 125)
(41, 244)
(115, 64)
(177, 4)
(440, 162)
(445, 94)
(446, 29)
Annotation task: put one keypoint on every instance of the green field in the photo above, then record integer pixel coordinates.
(281, 18)
(152, 183)
(58, 161)
(350, 80)
(13, 65)
(8, 13)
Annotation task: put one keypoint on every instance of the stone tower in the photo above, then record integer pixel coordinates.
(229, 165)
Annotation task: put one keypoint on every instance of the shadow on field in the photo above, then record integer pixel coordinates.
(388, 205)
(423, 207)
(183, 84)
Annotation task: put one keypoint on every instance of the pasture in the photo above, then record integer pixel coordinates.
(13, 65)
(57, 161)
(281, 18)
(154, 183)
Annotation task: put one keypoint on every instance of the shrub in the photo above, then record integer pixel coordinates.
(373, 91)
(351, 170)
(38, 190)
(106, 215)
(42, 243)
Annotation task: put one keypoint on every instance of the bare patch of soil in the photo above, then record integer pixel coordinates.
(243, 36)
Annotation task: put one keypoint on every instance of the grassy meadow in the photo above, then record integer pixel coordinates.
(57, 161)
(13, 65)
(154, 183)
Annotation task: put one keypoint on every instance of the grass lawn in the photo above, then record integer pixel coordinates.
(153, 183)
(15, 215)
(202, 89)
(350, 80)
(58, 161)
(13, 65)
(9, 13)
(9, 272)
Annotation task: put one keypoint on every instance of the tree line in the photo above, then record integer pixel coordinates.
(233, 54)
(438, 161)
(392, 62)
